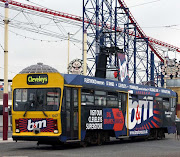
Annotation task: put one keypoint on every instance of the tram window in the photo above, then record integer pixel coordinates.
(100, 100)
(68, 99)
(87, 100)
(18, 95)
(87, 91)
(112, 99)
(119, 100)
(87, 96)
(112, 102)
(149, 98)
(52, 99)
(63, 105)
(21, 95)
(173, 102)
(100, 93)
(133, 96)
(166, 103)
(33, 99)
(75, 97)
(114, 94)
(31, 96)
(68, 120)
(124, 101)
(158, 98)
(75, 120)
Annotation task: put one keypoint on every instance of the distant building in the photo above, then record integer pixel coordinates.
(174, 84)
(9, 97)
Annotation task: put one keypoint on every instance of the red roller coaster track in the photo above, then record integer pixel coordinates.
(80, 19)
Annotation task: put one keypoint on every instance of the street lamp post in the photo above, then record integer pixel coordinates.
(68, 52)
(85, 53)
(165, 77)
(5, 94)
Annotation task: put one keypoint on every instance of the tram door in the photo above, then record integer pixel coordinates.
(72, 113)
(124, 102)
(159, 107)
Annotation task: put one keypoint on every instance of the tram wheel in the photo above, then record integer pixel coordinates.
(83, 144)
(99, 140)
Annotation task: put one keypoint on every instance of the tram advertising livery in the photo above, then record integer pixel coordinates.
(49, 107)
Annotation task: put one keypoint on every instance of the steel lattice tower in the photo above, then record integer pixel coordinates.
(110, 24)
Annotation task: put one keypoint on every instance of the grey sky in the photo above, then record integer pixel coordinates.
(156, 19)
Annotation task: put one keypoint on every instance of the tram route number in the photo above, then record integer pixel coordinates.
(54, 115)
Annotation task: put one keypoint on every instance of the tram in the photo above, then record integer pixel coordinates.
(50, 107)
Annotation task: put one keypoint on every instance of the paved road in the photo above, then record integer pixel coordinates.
(168, 147)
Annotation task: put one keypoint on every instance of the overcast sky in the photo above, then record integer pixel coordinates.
(158, 18)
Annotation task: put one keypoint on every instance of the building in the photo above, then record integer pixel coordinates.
(9, 97)
(174, 84)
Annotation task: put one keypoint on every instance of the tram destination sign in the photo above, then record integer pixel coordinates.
(37, 79)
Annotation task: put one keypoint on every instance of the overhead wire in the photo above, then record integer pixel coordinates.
(15, 16)
(68, 21)
(1, 46)
(165, 26)
(59, 27)
(42, 40)
(41, 30)
(9, 71)
(31, 24)
(36, 4)
(44, 25)
(76, 32)
(42, 33)
(50, 9)
(144, 3)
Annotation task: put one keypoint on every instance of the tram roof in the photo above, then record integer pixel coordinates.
(106, 84)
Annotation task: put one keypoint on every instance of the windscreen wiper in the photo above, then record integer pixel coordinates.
(40, 101)
(44, 111)
(27, 107)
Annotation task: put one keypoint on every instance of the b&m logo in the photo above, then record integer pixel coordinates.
(139, 111)
(38, 124)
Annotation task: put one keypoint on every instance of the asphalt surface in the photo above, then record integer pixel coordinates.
(168, 147)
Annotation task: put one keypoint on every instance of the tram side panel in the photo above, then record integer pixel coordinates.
(102, 119)
(144, 113)
(140, 115)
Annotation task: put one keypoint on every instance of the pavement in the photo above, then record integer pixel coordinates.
(9, 135)
(9, 130)
(6, 141)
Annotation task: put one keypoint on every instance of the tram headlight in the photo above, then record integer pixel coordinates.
(55, 126)
(56, 131)
(17, 126)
